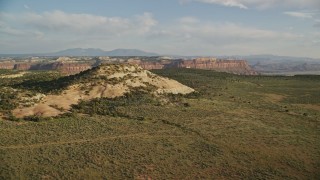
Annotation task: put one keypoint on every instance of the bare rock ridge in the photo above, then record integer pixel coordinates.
(68, 66)
(109, 81)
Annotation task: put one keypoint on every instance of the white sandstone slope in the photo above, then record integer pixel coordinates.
(104, 81)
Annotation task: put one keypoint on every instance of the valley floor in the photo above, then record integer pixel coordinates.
(237, 127)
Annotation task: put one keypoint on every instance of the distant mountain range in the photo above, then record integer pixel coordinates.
(252, 59)
(100, 52)
(90, 52)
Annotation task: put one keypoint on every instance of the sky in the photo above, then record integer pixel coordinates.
(171, 27)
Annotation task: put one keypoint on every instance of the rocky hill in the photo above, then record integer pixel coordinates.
(103, 81)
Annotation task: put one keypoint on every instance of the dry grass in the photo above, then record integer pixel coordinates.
(315, 107)
(228, 131)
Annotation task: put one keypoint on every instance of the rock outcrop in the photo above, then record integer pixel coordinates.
(103, 81)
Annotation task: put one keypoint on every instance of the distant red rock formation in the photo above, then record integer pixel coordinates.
(65, 68)
(7, 65)
(23, 66)
(231, 66)
(73, 68)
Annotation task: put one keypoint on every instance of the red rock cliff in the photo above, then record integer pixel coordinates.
(72, 68)
(23, 66)
(7, 65)
(231, 66)
(65, 68)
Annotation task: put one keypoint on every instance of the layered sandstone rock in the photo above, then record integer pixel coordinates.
(23, 66)
(65, 68)
(7, 65)
(73, 68)
(232, 66)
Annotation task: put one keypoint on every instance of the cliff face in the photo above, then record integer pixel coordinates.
(231, 66)
(23, 66)
(65, 68)
(72, 68)
(7, 65)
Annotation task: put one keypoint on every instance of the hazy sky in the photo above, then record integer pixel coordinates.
(181, 27)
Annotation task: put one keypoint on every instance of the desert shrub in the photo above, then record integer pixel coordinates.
(11, 117)
(8, 99)
(112, 106)
(8, 72)
(68, 115)
(186, 104)
(56, 107)
(52, 82)
(35, 118)
(193, 95)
